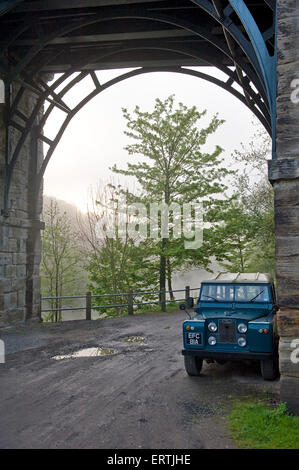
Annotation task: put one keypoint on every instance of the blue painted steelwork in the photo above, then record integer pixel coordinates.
(268, 64)
(258, 72)
(255, 49)
(6, 6)
(234, 31)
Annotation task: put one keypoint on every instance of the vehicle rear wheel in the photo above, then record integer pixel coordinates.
(269, 369)
(193, 365)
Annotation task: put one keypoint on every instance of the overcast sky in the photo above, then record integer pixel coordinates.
(94, 140)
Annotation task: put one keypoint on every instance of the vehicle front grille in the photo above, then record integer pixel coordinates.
(227, 331)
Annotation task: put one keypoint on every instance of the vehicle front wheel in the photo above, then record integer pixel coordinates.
(269, 369)
(193, 365)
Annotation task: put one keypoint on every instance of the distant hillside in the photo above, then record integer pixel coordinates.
(71, 210)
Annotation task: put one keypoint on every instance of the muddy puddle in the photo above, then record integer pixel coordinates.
(135, 339)
(86, 352)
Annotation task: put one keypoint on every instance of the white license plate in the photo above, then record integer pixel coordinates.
(194, 338)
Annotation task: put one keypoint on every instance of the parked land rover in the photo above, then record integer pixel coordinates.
(234, 320)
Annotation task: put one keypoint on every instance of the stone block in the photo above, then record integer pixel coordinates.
(10, 271)
(20, 214)
(287, 221)
(5, 286)
(10, 300)
(18, 284)
(289, 393)
(21, 270)
(12, 245)
(21, 246)
(19, 258)
(283, 169)
(35, 311)
(3, 243)
(6, 258)
(286, 193)
(12, 316)
(17, 232)
(21, 298)
(288, 356)
(288, 322)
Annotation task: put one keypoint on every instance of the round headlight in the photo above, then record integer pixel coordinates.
(212, 340)
(212, 327)
(242, 328)
(242, 342)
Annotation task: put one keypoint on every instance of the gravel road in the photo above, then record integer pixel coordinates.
(139, 397)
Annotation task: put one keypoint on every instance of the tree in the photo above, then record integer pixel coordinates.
(173, 169)
(246, 234)
(61, 267)
(234, 238)
(115, 261)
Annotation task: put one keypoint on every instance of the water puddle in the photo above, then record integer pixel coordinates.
(87, 352)
(135, 339)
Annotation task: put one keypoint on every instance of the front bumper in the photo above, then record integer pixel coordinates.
(246, 356)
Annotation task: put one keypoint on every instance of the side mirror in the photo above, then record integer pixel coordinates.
(182, 307)
(190, 302)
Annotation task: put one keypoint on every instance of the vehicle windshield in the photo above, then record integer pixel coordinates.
(234, 293)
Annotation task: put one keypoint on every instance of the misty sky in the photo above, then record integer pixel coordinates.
(94, 140)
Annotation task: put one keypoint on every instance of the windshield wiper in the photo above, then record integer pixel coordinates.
(256, 296)
(203, 295)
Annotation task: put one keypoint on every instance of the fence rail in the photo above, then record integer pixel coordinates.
(88, 297)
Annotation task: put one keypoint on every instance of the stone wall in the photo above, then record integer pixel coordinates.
(284, 174)
(20, 245)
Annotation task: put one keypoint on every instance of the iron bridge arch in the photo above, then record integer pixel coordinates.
(76, 38)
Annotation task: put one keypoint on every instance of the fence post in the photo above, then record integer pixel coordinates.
(88, 305)
(163, 300)
(187, 292)
(40, 307)
(130, 303)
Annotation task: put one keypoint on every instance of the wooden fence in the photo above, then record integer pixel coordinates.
(163, 299)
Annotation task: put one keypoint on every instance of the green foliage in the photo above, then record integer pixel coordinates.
(118, 263)
(246, 229)
(173, 169)
(61, 264)
(260, 426)
(234, 239)
(117, 267)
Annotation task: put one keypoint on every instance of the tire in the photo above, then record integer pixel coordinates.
(269, 369)
(193, 365)
(221, 362)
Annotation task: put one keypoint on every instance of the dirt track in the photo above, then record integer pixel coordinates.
(140, 397)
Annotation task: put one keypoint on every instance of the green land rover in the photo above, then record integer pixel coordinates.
(234, 320)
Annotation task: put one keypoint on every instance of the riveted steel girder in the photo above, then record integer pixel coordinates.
(161, 35)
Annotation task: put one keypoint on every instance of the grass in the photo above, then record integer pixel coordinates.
(151, 309)
(170, 307)
(259, 425)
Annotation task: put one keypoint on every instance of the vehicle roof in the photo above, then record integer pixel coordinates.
(224, 277)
